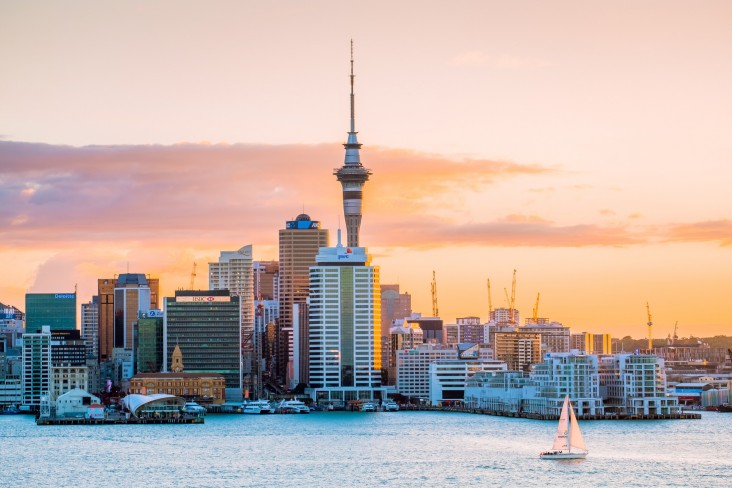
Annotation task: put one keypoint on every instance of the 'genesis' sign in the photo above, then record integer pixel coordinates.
(64, 295)
(203, 299)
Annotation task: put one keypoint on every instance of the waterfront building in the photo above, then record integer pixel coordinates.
(208, 388)
(11, 391)
(206, 324)
(500, 391)
(299, 243)
(36, 367)
(57, 310)
(105, 314)
(345, 326)
(352, 176)
(573, 374)
(518, 350)
(76, 403)
(149, 342)
(635, 384)
(234, 272)
(448, 378)
(90, 327)
(413, 366)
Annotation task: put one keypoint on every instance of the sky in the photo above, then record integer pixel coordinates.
(585, 145)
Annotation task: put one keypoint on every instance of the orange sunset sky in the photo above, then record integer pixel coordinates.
(585, 144)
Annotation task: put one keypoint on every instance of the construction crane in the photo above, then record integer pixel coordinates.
(490, 305)
(536, 309)
(650, 329)
(193, 276)
(676, 329)
(512, 303)
(435, 311)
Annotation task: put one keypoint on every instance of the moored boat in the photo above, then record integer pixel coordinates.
(257, 407)
(725, 407)
(292, 406)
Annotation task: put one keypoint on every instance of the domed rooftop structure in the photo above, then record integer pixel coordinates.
(159, 402)
(302, 217)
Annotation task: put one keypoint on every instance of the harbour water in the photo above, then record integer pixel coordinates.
(344, 449)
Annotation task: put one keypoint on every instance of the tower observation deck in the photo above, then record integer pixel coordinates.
(352, 176)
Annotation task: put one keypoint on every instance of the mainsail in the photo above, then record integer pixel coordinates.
(575, 435)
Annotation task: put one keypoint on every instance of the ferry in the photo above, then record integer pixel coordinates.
(391, 406)
(256, 407)
(292, 406)
(194, 408)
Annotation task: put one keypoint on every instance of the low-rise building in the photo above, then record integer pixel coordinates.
(199, 387)
(76, 403)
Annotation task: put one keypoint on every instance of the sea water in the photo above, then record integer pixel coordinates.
(350, 449)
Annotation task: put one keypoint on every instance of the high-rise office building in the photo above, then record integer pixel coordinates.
(57, 310)
(345, 325)
(234, 272)
(352, 176)
(36, 367)
(149, 342)
(90, 327)
(115, 320)
(206, 325)
(299, 243)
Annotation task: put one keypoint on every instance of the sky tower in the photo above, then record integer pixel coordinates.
(352, 176)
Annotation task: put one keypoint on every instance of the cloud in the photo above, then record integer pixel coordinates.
(206, 194)
(707, 231)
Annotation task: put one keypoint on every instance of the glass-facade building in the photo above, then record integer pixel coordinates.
(57, 310)
(205, 324)
(150, 343)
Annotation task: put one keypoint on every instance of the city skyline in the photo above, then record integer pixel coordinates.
(585, 146)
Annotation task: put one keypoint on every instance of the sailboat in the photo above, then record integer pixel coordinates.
(568, 441)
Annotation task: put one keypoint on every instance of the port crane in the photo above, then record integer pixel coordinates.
(650, 329)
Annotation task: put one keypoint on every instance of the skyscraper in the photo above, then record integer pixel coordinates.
(352, 176)
(234, 272)
(57, 310)
(299, 243)
(90, 327)
(345, 325)
(206, 325)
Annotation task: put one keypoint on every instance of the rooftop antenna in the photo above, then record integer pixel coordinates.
(353, 105)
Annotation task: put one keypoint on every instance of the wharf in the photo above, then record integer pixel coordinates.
(535, 416)
(117, 421)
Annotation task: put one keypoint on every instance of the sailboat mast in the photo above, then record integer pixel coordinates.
(569, 426)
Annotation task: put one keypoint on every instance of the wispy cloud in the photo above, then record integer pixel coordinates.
(708, 231)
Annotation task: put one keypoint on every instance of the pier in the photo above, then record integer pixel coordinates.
(117, 421)
(534, 416)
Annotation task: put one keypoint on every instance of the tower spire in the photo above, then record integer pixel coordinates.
(352, 174)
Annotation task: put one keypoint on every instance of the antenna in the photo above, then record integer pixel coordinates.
(353, 104)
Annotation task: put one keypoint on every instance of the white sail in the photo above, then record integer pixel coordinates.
(560, 439)
(575, 435)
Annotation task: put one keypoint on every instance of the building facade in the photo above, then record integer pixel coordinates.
(205, 388)
(299, 244)
(57, 310)
(345, 324)
(90, 327)
(206, 325)
(36, 367)
(517, 349)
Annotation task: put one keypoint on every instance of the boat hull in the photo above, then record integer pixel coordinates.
(563, 455)
(725, 407)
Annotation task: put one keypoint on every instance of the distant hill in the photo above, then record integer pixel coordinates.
(629, 344)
